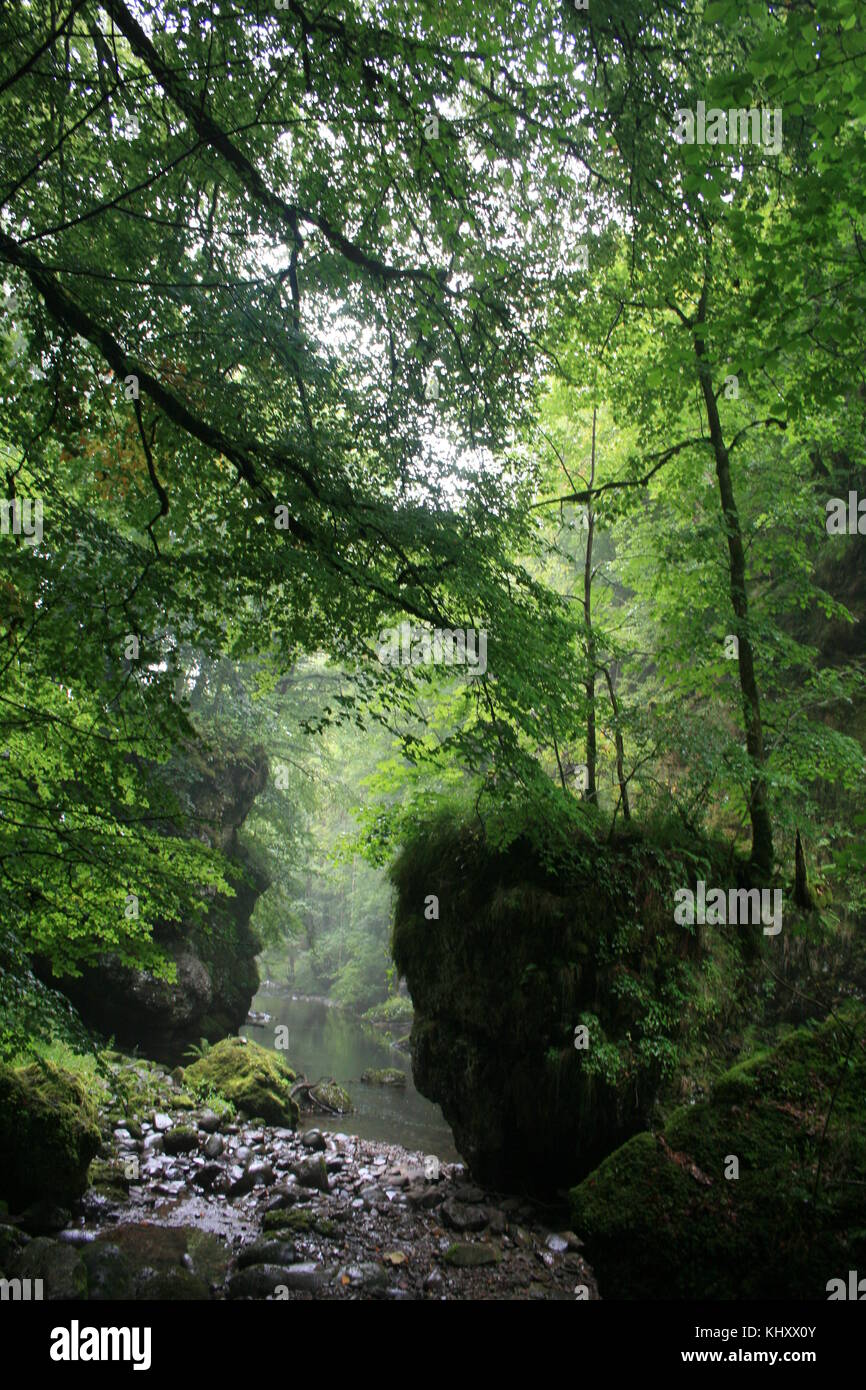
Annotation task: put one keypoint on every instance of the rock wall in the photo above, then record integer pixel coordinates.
(216, 968)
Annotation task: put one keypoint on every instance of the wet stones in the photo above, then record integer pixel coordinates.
(267, 1252)
(207, 1175)
(312, 1172)
(460, 1216)
(180, 1141)
(257, 1281)
(466, 1256)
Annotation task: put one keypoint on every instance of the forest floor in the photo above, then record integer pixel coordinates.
(224, 1210)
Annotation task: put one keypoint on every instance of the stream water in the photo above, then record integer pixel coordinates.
(325, 1041)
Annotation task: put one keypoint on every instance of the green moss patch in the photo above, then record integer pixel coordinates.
(48, 1134)
(253, 1079)
(302, 1222)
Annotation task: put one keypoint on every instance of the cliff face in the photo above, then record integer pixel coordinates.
(216, 969)
(513, 964)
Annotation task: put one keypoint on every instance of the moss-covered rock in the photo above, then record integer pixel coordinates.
(661, 1219)
(521, 953)
(332, 1096)
(298, 1222)
(384, 1076)
(108, 1177)
(253, 1079)
(60, 1267)
(48, 1134)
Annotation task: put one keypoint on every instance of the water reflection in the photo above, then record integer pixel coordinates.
(325, 1041)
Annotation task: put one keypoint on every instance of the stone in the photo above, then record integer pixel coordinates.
(307, 1277)
(365, 1275)
(109, 1275)
(258, 1281)
(209, 1122)
(44, 1218)
(383, 1076)
(180, 1141)
(161, 1122)
(332, 1096)
(170, 1286)
(424, 1198)
(255, 1080)
(213, 1146)
(313, 1139)
(467, 1256)
(267, 1252)
(205, 1176)
(60, 1267)
(743, 1238)
(280, 1198)
(312, 1172)
(461, 1217)
(468, 1193)
(48, 1134)
(260, 1172)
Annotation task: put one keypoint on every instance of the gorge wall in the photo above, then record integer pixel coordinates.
(216, 968)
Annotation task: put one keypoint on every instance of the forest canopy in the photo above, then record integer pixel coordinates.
(320, 320)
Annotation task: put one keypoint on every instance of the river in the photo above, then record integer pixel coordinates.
(325, 1041)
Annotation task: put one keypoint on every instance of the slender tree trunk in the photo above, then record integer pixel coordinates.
(802, 896)
(759, 814)
(591, 745)
(620, 749)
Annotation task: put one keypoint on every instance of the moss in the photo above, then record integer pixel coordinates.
(384, 1076)
(661, 1220)
(332, 1096)
(298, 1221)
(48, 1134)
(108, 1177)
(253, 1079)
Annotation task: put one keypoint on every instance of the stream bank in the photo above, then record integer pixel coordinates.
(191, 1204)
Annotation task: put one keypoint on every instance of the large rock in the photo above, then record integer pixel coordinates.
(516, 959)
(215, 960)
(60, 1268)
(255, 1080)
(661, 1219)
(48, 1135)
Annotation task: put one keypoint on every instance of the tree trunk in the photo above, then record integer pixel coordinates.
(759, 814)
(591, 747)
(802, 897)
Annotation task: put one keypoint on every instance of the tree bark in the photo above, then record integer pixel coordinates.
(759, 814)
(591, 742)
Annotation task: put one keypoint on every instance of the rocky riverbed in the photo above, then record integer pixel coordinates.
(186, 1203)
